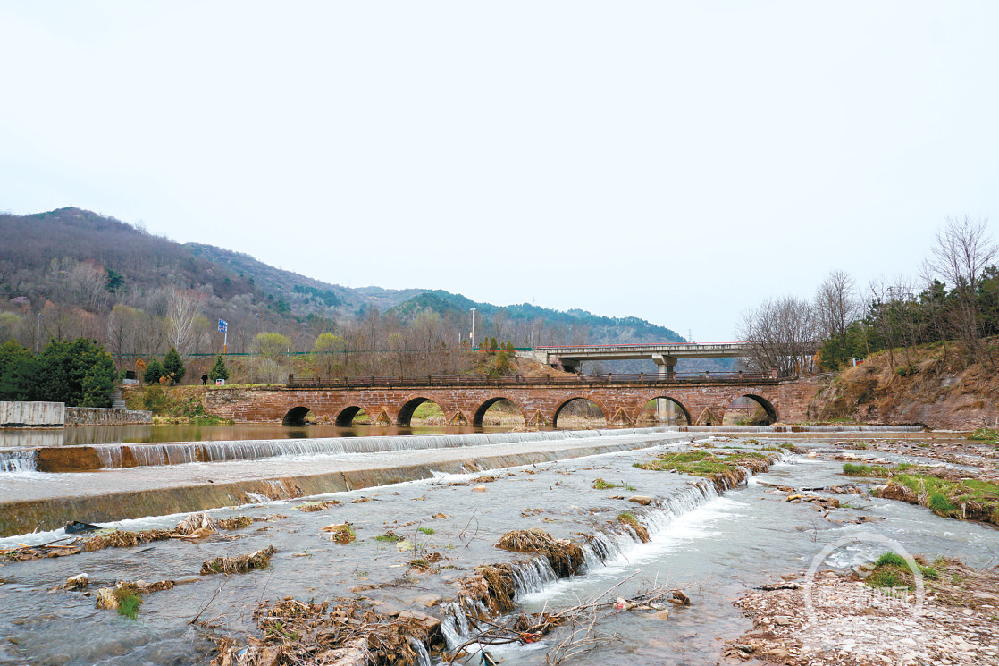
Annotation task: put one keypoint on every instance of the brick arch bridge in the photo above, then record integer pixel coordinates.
(621, 403)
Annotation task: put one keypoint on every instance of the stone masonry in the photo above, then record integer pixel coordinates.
(703, 404)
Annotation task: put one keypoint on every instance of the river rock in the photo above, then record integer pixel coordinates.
(644, 500)
(479, 489)
(77, 582)
(106, 599)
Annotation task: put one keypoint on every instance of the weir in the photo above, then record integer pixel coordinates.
(112, 482)
(122, 491)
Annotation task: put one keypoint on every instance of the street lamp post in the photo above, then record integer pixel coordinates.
(473, 328)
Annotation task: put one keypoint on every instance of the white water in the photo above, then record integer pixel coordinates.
(112, 456)
(14, 460)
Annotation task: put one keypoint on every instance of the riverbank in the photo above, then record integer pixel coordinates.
(954, 620)
(920, 609)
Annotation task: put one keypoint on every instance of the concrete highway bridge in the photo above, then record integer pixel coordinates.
(664, 355)
(698, 400)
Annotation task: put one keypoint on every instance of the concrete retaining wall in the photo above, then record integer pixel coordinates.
(31, 414)
(92, 416)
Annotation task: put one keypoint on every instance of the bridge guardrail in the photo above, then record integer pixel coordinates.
(520, 380)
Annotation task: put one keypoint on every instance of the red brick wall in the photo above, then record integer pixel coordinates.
(620, 404)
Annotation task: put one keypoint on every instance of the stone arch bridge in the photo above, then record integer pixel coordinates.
(701, 403)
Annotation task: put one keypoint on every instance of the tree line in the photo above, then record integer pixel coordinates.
(954, 299)
(78, 372)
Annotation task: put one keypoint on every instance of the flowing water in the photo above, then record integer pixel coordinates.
(713, 547)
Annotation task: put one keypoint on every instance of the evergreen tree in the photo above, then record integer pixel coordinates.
(218, 371)
(153, 372)
(502, 365)
(18, 367)
(173, 367)
(79, 373)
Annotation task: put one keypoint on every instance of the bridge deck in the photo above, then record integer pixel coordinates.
(647, 350)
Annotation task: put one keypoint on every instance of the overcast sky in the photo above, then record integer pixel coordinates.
(678, 161)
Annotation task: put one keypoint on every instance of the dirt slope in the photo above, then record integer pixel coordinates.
(929, 386)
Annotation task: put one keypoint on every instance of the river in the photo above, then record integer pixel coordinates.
(713, 547)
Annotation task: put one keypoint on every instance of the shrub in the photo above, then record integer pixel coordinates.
(156, 400)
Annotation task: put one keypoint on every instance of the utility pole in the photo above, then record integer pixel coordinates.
(472, 334)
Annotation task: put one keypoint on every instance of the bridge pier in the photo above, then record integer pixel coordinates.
(667, 366)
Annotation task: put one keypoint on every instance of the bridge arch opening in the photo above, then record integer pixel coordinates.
(295, 416)
(665, 411)
(349, 415)
(579, 414)
(497, 412)
(421, 411)
(750, 410)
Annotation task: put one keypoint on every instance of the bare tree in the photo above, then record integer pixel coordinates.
(836, 305)
(183, 310)
(87, 283)
(780, 334)
(963, 251)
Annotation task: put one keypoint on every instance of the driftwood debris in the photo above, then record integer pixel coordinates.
(345, 631)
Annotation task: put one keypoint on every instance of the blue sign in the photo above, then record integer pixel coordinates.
(223, 325)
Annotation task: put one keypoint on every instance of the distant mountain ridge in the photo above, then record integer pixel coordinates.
(38, 252)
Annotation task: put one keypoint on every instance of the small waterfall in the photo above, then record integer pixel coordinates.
(110, 456)
(422, 656)
(533, 576)
(177, 453)
(454, 625)
(599, 549)
(793, 428)
(18, 461)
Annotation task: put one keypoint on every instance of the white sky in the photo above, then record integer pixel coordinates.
(678, 161)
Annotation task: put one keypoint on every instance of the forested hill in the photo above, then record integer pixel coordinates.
(573, 326)
(63, 272)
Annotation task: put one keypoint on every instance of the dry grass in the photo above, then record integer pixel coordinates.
(317, 506)
(241, 564)
(564, 556)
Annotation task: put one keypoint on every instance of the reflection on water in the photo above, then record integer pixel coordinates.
(158, 434)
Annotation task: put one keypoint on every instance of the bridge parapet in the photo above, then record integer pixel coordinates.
(435, 381)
